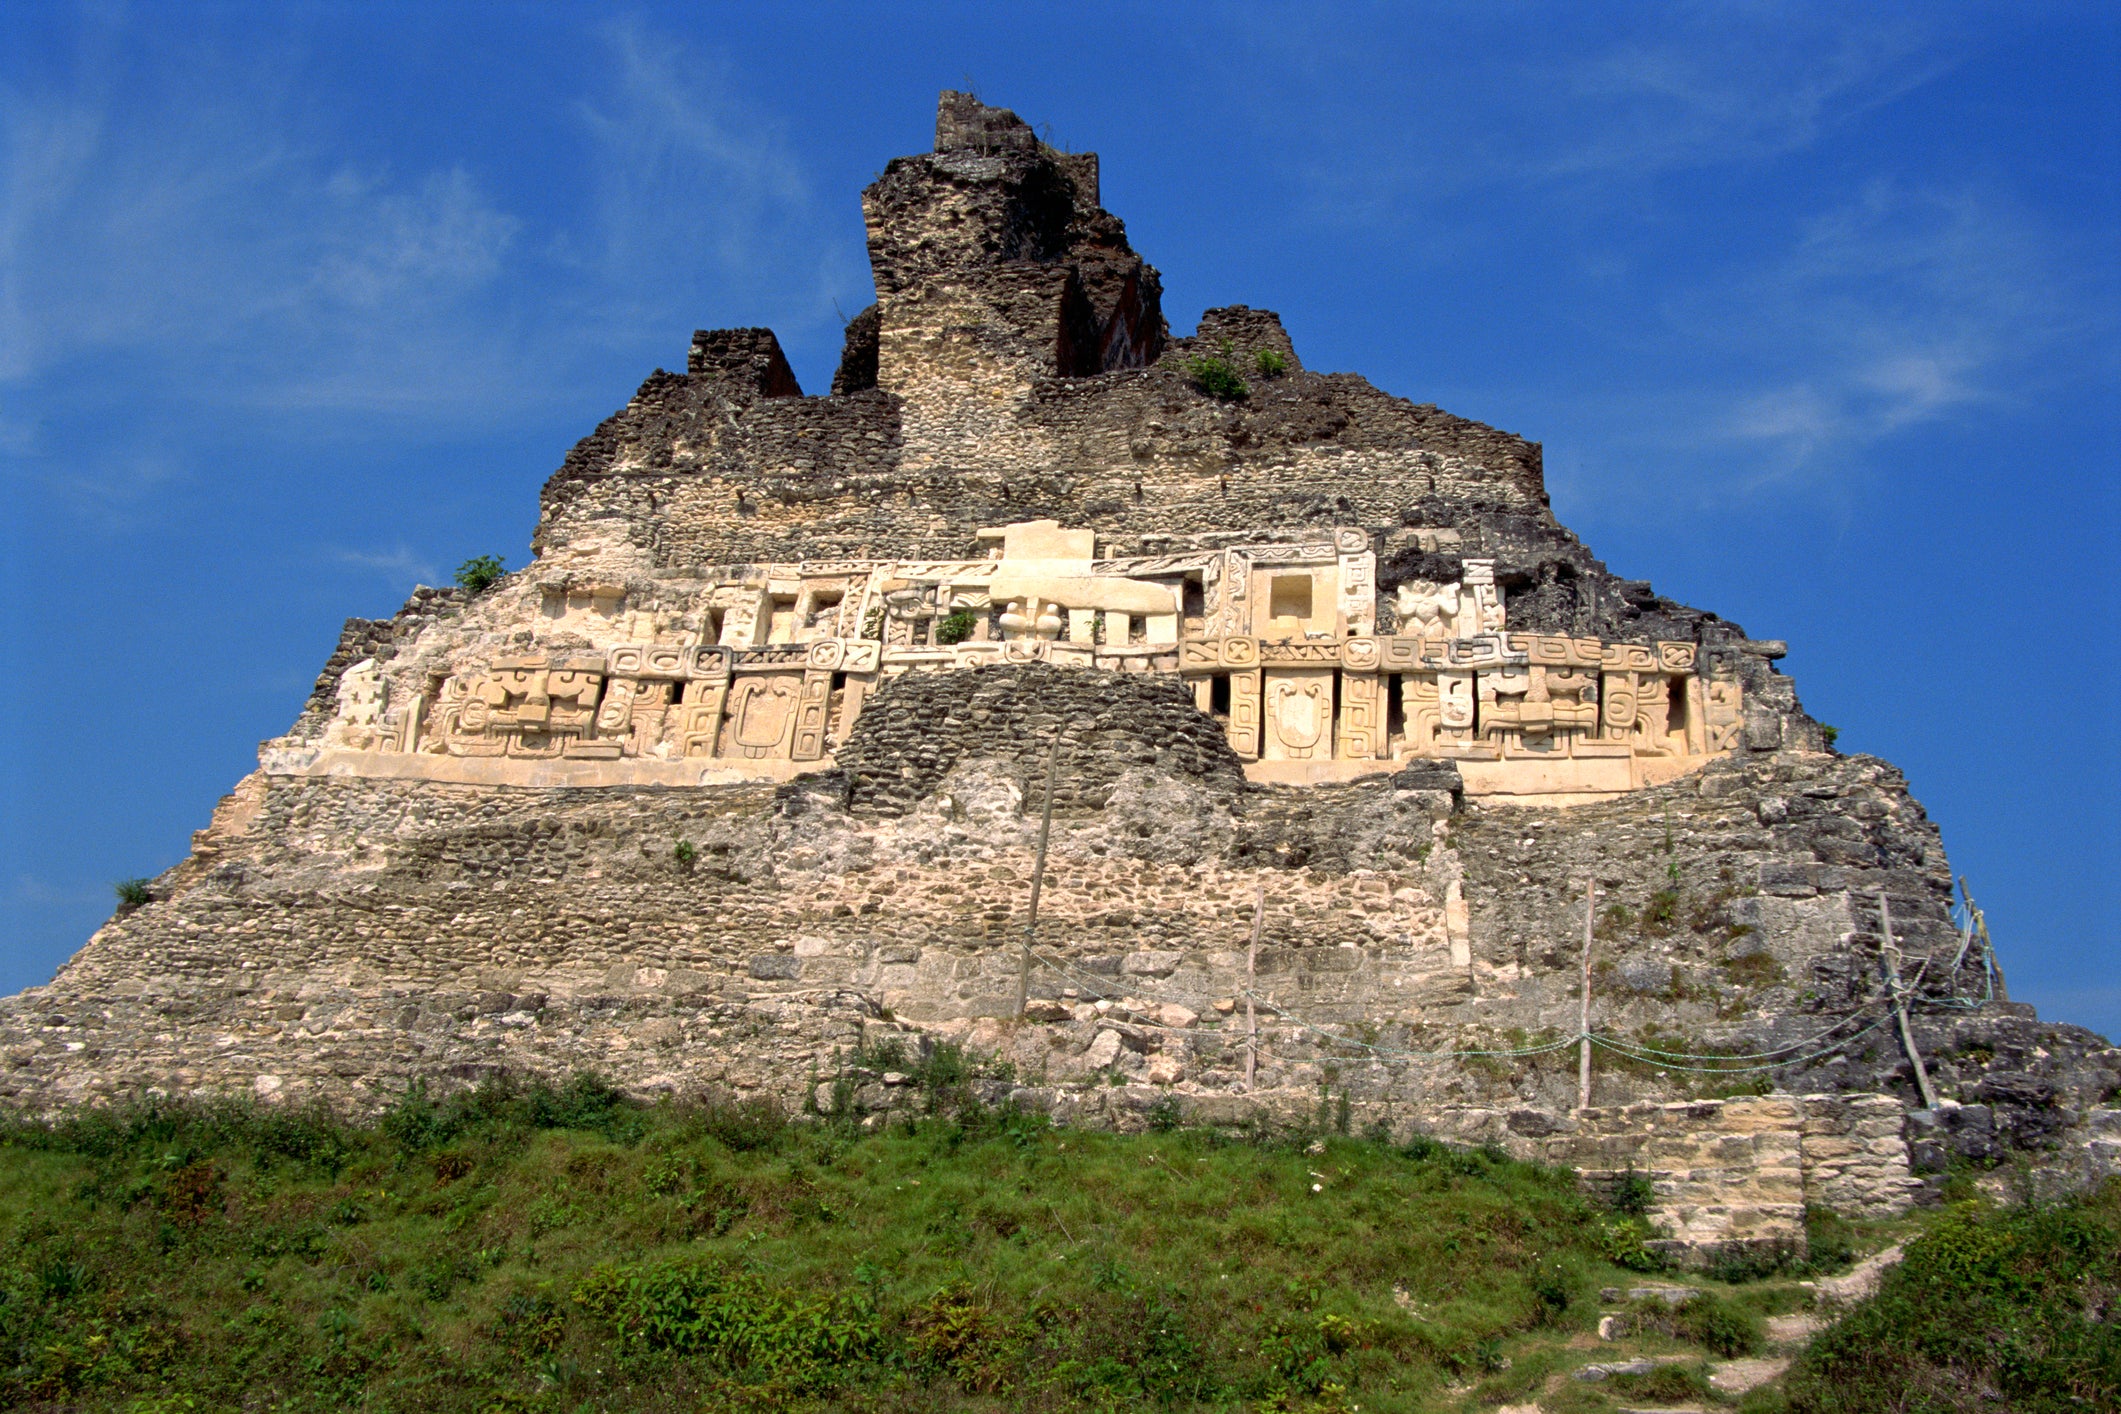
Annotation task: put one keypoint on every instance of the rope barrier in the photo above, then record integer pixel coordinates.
(1776, 1058)
(1668, 1060)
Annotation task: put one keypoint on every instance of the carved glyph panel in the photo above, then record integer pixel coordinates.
(1299, 714)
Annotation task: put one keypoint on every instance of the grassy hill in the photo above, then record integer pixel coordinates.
(540, 1249)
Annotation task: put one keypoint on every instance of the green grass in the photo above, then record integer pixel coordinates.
(1993, 1308)
(564, 1250)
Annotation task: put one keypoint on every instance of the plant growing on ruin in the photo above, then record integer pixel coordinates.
(956, 626)
(1755, 969)
(132, 894)
(1217, 376)
(684, 853)
(1632, 1194)
(1829, 734)
(1270, 363)
(479, 572)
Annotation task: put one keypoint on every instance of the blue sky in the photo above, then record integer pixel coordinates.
(1814, 307)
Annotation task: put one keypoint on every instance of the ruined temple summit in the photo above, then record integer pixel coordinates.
(739, 785)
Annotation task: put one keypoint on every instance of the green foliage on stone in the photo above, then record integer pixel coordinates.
(956, 626)
(132, 894)
(1270, 363)
(1829, 734)
(478, 573)
(684, 853)
(1632, 1193)
(1217, 377)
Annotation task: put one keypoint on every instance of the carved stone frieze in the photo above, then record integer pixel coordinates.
(772, 662)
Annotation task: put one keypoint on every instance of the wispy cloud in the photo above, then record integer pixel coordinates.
(1597, 108)
(1726, 87)
(403, 566)
(697, 191)
(200, 230)
(219, 233)
(43, 893)
(114, 488)
(1902, 308)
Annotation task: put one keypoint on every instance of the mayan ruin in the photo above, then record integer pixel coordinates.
(1346, 778)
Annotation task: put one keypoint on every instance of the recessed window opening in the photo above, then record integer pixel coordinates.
(821, 620)
(1219, 697)
(1192, 600)
(1289, 596)
(1675, 721)
(781, 626)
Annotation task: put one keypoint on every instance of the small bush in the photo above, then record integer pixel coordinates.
(956, 626)
(132, 894)
(1754, 969)
(743, 1125)
(1829, 1241)
(1830, 734)
(1217, 378)
(1720, 1326)
(1666, 1382)
(1739, 1262)
(684, 853)
(1625, 1242)
(479, 572)
(1270, 363)
(1632, 1194)
(1660, 912)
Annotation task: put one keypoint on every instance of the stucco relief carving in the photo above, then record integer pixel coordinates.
(358, 722)
(761, 716)
(528, 706)
(1278, 638)
(1299, 715)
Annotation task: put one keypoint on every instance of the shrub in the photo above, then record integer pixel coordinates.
(1632, 1193)
(1720, 1326)
(1666, 1382)
(732, 1321)
(684, 853)
(1831, 734)
(1217, 377)
(478, 573)
(956, 626)
(1753, 969)
(1625, 1242)
(743, 1125)
(1270, 363)
(132, 894)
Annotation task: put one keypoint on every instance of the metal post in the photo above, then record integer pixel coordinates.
(1038, 874)
(1890, 950)
(1583, 1009)
(1259, 921)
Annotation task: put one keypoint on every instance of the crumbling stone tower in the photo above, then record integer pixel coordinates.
(745, 769)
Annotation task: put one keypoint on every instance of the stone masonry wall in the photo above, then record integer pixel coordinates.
(919, 727)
